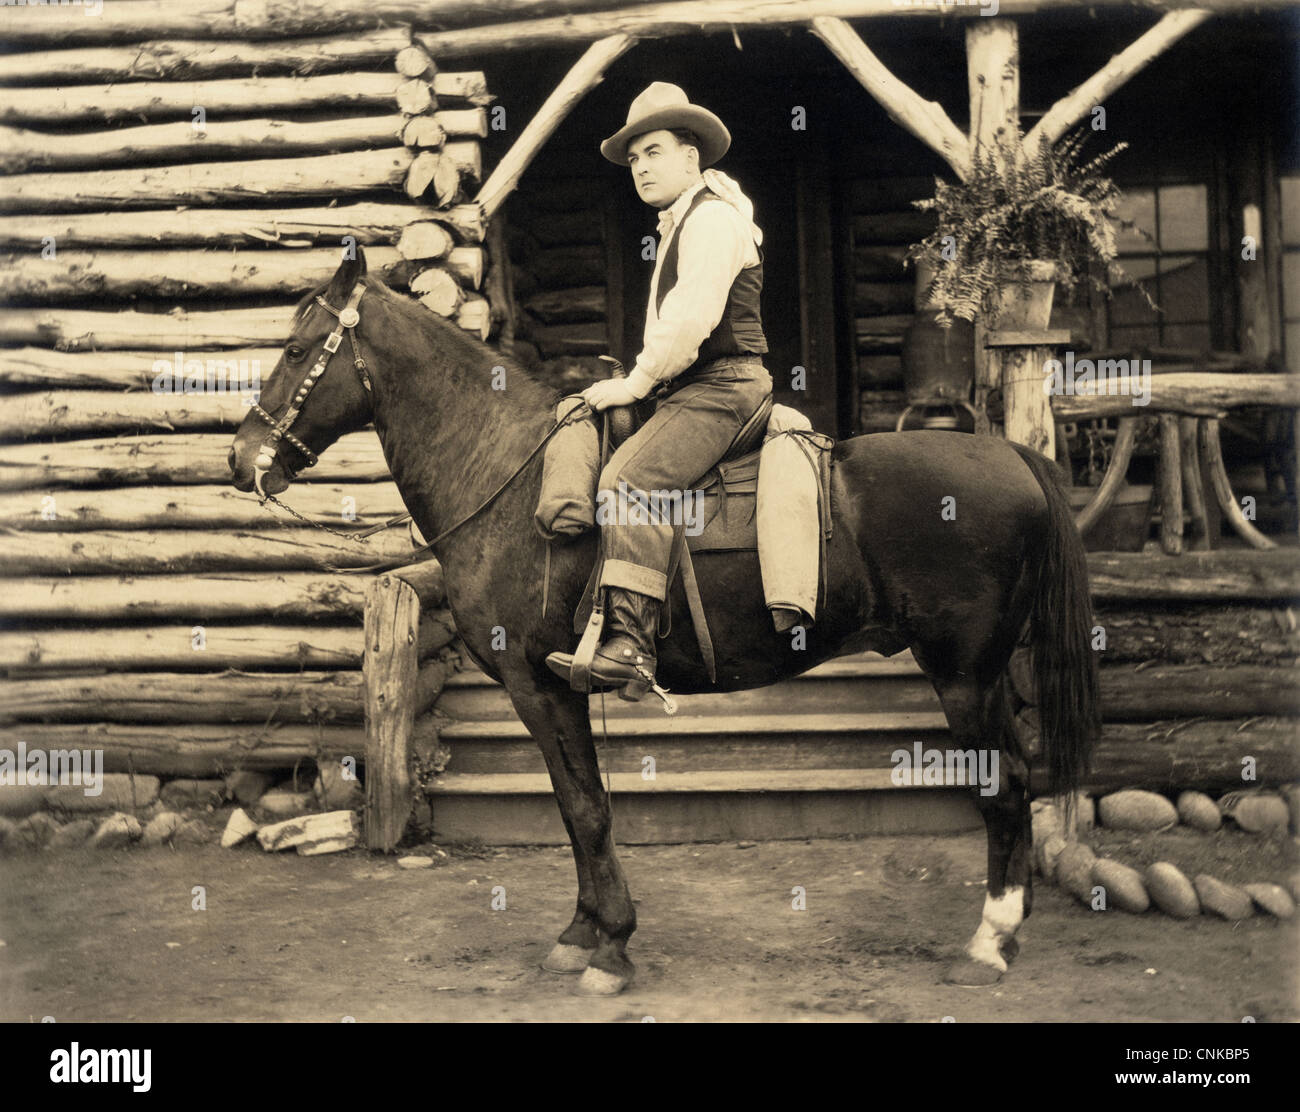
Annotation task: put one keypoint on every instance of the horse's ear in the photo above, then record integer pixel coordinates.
(352, 268)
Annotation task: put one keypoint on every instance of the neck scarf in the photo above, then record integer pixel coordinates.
(729, 190)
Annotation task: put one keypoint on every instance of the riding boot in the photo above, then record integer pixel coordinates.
(627, 656)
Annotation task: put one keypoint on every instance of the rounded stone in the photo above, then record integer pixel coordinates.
(1272, 898)
(1124, 887)
(72, 834)
(116, 831)
(34, 832)
(1262, 814)
(1074, 870)
(1132, 809)
(192, 833)
(1171, 891)
(1292, 885)
(1291, 793)
(1227, 901)
(1047, 853)
(161, 828)
(1199, 811)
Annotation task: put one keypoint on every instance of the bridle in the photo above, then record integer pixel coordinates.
(348, 318)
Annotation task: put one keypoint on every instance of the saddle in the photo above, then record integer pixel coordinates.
(727, 518)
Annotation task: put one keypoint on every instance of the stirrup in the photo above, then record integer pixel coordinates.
(632, 691)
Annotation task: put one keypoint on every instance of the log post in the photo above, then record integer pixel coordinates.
(390, 666)
(1169, 477)
(1125, 437)
(1018, 366)
(1189, 455)
(993, 78)
(1212, 452)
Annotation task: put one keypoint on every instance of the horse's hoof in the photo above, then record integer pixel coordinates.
(597, 982)
(567, 959)
(972, 973)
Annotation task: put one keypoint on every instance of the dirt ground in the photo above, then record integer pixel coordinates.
(112, 936)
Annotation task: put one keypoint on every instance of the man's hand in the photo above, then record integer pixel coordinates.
(611, 392)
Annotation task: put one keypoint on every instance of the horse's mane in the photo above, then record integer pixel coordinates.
(461, 347)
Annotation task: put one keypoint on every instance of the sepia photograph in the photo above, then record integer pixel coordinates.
(729, 511)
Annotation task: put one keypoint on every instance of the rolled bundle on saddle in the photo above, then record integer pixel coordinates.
(570, 472)
(793, 523)
(790, 518)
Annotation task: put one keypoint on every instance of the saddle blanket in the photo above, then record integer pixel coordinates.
(774, 501)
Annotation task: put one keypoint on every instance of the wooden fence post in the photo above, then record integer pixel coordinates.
(390, 666)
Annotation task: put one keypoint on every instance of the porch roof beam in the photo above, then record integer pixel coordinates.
(925, 119)
(585, 75)
(683, 17)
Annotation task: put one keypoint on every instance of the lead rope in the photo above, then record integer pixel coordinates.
(390, 564)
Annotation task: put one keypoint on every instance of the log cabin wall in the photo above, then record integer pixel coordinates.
(167, 203)
(556, 232)
(883, 225)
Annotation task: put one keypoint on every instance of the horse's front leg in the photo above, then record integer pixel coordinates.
(595, 942)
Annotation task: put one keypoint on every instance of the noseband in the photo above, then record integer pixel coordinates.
(348, 319)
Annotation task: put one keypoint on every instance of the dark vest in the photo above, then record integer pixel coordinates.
(740, 331)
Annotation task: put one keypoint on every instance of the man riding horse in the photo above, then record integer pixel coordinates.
(700, 356)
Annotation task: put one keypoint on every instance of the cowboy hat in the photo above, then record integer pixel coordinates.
(666, 106)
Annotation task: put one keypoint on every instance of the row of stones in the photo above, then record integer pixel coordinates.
(1103, 882)
(129, 799)
(1257, 812)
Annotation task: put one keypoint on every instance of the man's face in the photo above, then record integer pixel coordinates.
(662, 166)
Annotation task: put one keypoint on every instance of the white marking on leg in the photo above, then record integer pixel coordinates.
(1001, 919)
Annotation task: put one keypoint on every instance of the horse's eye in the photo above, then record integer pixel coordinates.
(295, 353)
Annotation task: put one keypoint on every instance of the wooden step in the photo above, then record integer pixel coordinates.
(808, 757)
(710, 725)
(703, 807)
(851, 684)
(728, 780)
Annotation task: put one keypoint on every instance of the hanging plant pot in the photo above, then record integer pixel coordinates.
(1026, 307)
(938, 362)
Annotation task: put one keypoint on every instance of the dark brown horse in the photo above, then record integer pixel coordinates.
(944, 543)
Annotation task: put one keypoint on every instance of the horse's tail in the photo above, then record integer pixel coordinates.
(1065, 667)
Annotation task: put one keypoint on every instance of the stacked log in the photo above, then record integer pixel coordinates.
(884, 291)
(166, 203)
(556, 241)
(1197, 657)
(446, 271)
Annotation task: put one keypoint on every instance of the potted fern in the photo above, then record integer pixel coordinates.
(1025, 220)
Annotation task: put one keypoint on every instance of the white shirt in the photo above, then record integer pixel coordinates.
(717, 246)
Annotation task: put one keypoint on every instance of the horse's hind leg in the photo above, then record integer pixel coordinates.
(595, 942)
(980, 719)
